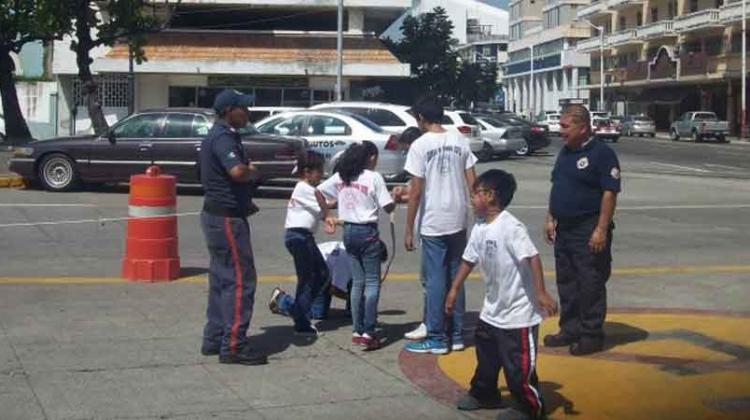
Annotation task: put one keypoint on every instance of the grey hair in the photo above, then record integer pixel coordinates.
(579, 114)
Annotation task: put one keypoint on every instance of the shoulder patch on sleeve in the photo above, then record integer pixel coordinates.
(615, 172)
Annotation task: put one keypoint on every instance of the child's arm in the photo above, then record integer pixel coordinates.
(545, 302)
(463, 272)
(330, 222)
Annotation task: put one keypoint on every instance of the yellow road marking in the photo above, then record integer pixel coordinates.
(281, 278)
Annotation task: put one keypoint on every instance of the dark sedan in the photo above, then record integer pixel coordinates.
(536, 135)
(170, 138)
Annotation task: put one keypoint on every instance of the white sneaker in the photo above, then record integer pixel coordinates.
(456, 346)
(420, 333)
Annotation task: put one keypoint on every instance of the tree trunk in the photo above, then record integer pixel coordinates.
(82, 48)
(15, 124)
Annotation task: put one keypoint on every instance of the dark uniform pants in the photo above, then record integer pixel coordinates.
(232, 280)
(514, 352)
(581, 279)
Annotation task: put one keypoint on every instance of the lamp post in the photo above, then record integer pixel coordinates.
(743, 118)
(339, 49)
(532, 85)
(601, 61)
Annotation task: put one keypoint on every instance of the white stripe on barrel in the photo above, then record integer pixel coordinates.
(149, 211)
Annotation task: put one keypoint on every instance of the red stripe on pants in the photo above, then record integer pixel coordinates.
(238, 286)
(525, 371)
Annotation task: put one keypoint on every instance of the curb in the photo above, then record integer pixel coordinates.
(12, 181)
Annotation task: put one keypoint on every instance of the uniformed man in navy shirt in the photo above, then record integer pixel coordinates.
(585, 184)
(226, 175)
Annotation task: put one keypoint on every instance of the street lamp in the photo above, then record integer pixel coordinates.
(743, 119)
(601, 61)
(339, 49)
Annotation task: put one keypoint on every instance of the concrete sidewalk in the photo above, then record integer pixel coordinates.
(8, 179)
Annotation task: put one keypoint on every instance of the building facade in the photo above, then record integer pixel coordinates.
(544, 69)
(282, 51)
(666, 57)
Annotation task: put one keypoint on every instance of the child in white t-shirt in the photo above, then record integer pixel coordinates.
(361, 193)
(305, 209)
(515, 300)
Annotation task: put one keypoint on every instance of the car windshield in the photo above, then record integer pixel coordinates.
(493, 122)
(601, 121)
(705, 116)
(248, 130)
(468, 119)
(367, 123)
(553, 117)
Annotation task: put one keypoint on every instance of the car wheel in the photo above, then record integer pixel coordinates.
(696, 137)
(524, 151)
(58, 172)
(486, 153)
(723, 139)
(673, 135)
(614, 139)
(652, 135)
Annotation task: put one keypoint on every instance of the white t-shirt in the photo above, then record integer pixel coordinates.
(500, 248)
(442, 159)
(339, 263)
(359, 201)
(303, 210)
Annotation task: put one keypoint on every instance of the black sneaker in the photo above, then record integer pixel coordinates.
(246, 357)
(512, 413)
(469, 403)
(208, 350)
(586, 346)
(558, 340)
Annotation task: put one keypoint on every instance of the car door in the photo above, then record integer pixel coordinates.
(683, 125)
(262, 151)
(328, 136)
(175, 149)
(131, 151)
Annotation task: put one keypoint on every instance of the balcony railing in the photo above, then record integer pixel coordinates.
(698, 20)
(593, 9)
(697, 64)
(622, 37)
(656, 30)
(588, 45)
(621, 4)
(731, 12)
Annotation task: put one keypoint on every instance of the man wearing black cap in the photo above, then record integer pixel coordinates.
(226, 174)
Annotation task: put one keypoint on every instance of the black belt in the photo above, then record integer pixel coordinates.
(577, 220)
(221, 211)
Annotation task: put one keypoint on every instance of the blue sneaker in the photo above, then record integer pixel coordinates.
(428, 345)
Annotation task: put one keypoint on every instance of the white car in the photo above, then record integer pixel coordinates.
(330, 133)
(257, 113)
(397, 118)
(499, 138)
(552, 121)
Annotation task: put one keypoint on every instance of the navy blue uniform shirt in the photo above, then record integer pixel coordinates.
(580, 178)
(222, 150)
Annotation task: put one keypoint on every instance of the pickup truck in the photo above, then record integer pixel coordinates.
(699, 126)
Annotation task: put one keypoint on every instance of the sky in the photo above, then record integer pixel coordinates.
(499, 3)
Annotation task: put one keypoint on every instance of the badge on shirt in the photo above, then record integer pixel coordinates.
(583, 163)
(232, 155)
(615, 173)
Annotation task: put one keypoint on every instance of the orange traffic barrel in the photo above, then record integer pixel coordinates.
(151, 250)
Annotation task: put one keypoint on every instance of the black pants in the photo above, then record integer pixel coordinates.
(581, 279)
(514, 352)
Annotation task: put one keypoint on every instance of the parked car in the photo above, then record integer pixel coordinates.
(536, 135)
(170, 138)
(257, 113)
(599, 114)
(699, 125)
(499, 138)
(604, 129)
(638, 125)
(617, 121)
(552, 121)
(396, 118)
(330, 133)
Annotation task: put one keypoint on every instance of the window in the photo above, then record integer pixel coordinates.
(639, 18)
(139, 126)
(718, 4)
(622, 22)
(182, 96)
(713, 45)
(179, 126)
(381, 117)
(693, 6)
(327, 126)
(200, 126)
(655, 13)
(285, 126)
(467, 118)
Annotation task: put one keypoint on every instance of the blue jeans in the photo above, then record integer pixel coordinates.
(312, 274)
(232, 280)
(441, 257)
(362, 242)
(318, 310)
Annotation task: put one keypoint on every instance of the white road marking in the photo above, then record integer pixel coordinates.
(45, 205)
(685, 168)
(715, 165)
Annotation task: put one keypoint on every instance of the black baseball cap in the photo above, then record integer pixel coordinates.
(231, 97)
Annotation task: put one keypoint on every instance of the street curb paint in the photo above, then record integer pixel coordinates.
(11, 181)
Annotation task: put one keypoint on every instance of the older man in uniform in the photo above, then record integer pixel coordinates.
(226, 175)
(585, 184)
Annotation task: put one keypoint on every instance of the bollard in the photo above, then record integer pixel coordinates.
(151, 249)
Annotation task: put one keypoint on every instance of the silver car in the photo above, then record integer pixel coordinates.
(330, 133)
(638, 125)
(499, 138)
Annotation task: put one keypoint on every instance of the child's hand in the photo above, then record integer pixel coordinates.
(546, 304)
(450, 300)
(330, 225)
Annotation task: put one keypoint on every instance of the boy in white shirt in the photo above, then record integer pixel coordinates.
(514, 304)
(442, 169)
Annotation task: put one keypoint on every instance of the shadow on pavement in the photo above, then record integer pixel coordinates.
(192, 271)
(276, 339)
(618, 334)
(554, 399)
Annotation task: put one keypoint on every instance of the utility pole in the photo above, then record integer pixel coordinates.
(743, 118)
(131, 80)
(601, 67)
(532, 85)
(340, 50)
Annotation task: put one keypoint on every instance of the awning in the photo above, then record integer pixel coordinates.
(216, 52)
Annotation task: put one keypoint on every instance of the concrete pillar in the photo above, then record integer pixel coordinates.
(731, 111)
(554, 99)
(574, 81)
(565, 81)
(356, 20)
